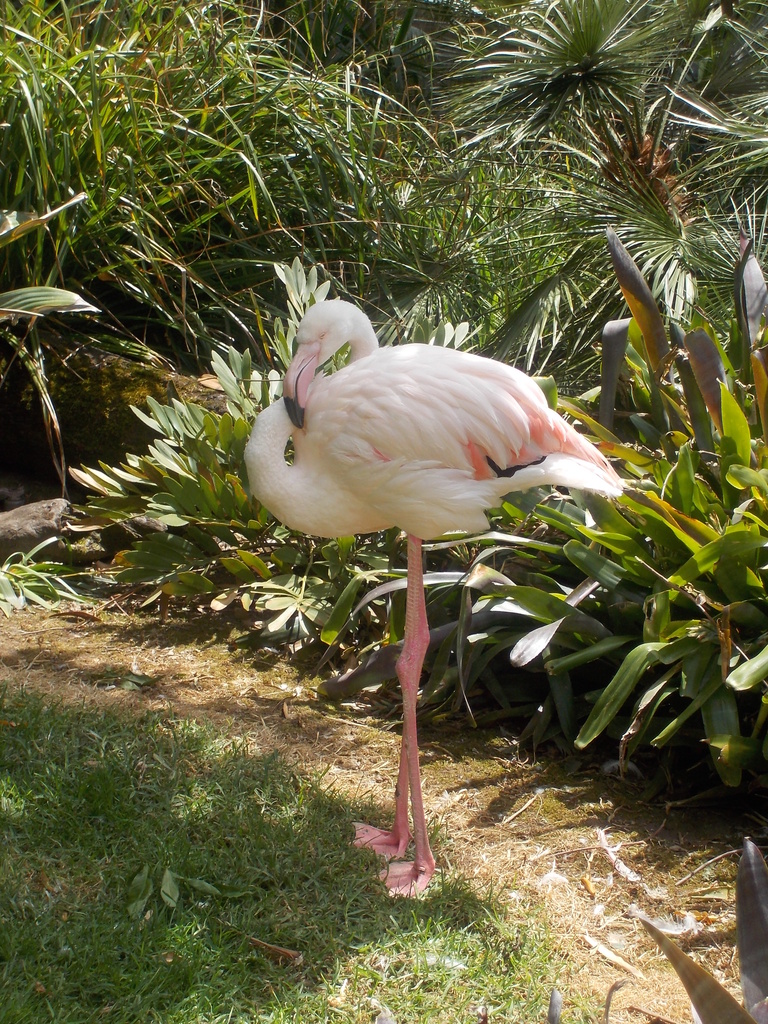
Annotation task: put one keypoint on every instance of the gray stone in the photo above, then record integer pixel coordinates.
(23, 528)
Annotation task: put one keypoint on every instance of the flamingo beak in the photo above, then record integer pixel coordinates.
(298, 377)
(295, 411)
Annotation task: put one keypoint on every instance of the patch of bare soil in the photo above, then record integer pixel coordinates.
(558, 837)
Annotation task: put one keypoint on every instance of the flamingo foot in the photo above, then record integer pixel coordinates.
(406, 878)
(386, 844)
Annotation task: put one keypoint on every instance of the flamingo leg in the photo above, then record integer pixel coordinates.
(405, 878)
(389, 844)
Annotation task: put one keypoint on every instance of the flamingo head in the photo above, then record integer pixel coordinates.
(326, 326)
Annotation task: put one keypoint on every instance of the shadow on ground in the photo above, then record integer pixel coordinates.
(155, 869)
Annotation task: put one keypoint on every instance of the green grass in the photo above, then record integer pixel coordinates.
(91, 803)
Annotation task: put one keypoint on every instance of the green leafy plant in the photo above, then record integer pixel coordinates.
(30, 579)
(377, 142)
(676, 566)
(692, 530)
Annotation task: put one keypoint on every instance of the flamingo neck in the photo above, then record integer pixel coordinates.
(361, 336)
(272, 480)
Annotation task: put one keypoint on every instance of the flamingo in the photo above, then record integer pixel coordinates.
(419, 437)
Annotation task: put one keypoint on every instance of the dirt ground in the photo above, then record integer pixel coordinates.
(535, 830)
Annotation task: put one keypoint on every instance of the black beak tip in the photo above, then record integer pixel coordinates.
(295, 411)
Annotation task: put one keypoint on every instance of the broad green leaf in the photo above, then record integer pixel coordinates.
(579, 412)
(238, 569)
(139, 892)
(657, 613)
(618, 690)
(191, 583)
(545, 607)
(682, 647)
(199, 885)
(759, 362)
(683, 479)
(721, 718)
(752, 924)
(561, 690)
(341, 610)
(608, 516)
(650, 701)
(735, 427)
(706, 362)
(753, 294)
(14, 223)
(169, 889)
(463, 652)
(690, 531)
(711, 672)
(750, 673)
(224, 600)
(440, 671)
(276, 623)
(694, 404)
(595, 651)
(613, 347)
(597, 566)
(735, 752)
(26, 302)
(549, 387)
(743, 476)
(486, 579)
(532, 644)
(254, 562)
(734, 543)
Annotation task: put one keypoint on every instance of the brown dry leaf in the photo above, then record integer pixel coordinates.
(222, 601)
(586, 881)
(289, 713)
(614, 958)
(277, 952)
(210, 381)
(340, 998)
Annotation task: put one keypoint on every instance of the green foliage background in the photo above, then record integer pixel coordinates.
(442, 165)
(439, 161)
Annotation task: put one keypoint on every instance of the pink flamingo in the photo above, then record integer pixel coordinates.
(420, 437)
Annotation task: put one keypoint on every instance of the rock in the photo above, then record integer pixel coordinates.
(23, 528)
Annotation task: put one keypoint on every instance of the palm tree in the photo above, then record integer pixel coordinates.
(643, 115)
